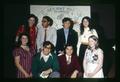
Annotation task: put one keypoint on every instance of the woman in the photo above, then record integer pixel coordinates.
(23, 57)
(69, 65)
(86, 30)
(29, 28)
(93, 59)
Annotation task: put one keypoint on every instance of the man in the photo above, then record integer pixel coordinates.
(45, 64)
(46, 32)
(66, 35)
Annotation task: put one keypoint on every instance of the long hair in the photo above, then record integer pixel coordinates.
(27, 24)
(19, 39)
(96, 40)
(82, 26)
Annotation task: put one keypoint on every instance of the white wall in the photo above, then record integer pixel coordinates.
(57, 13)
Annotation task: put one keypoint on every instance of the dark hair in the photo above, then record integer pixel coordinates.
(82, 26)
(49, 20)
(35, 17)
(68, 19)
(67, 46)
(19, 39)
(27, 24)
(46, 43)
(95, 39)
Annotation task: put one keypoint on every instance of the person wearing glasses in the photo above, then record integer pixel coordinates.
(45, 64)
(46, 32)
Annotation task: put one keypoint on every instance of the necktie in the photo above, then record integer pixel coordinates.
(45, 35)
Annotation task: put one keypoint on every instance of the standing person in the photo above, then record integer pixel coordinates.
(45, 64)
(30, 28)
(86, 30)
(93, 59)
(46, 32)
(66, 35)
(23, 57)
(69, 64)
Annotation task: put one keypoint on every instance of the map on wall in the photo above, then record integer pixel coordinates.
(57, 13)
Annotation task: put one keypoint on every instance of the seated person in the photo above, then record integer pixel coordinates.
(45, 63)
(69, 65)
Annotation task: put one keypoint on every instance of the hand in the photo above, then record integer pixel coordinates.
(61, 52)
(30, 74)
(47, 72)
(27, 75)
(74, 74)
(90, 74)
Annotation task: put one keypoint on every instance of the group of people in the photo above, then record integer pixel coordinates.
(45, 52)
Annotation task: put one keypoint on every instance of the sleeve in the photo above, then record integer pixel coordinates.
(77, 65)
(38, 40)
(55, 66)
(20, 30)
(54, 40)
(34, 67)
(16, 52)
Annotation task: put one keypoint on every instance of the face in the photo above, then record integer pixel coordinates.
(66, 24)
(45, 23)
(85, 23)
(24, 40)
(31, 21)
(46, 50)
(91, 43)
(69, 50)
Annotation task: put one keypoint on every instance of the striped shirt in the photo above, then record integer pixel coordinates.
(25, 60)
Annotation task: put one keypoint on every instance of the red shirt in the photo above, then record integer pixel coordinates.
(32, 34)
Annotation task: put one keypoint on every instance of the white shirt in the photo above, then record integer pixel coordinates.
(45, 57)
(67, 57)
(84, 37)
(50, 36)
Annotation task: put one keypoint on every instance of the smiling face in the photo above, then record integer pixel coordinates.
(45, 23)
(85, 23)
(66, 24)
(31, 21)
(46, 49)
(69, 50)
(24, 40)
(92, 43)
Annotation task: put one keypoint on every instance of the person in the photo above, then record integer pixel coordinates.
(45, 64)
(69, 64)
(86, 30)
(46, 32)
(66, 35)
(23, 55)
(31, 28)
(93, 59)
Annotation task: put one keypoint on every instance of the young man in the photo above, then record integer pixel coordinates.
(46, 32)
(45, 64)
(66, 35)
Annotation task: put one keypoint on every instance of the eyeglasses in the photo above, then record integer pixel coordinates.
(47, 47)
(44, 21)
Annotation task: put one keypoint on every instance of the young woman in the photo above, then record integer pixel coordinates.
(23, 57)
(86, 30)
(30, 28)
(93, 59)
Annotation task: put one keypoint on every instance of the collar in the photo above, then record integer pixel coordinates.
(42, 55)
